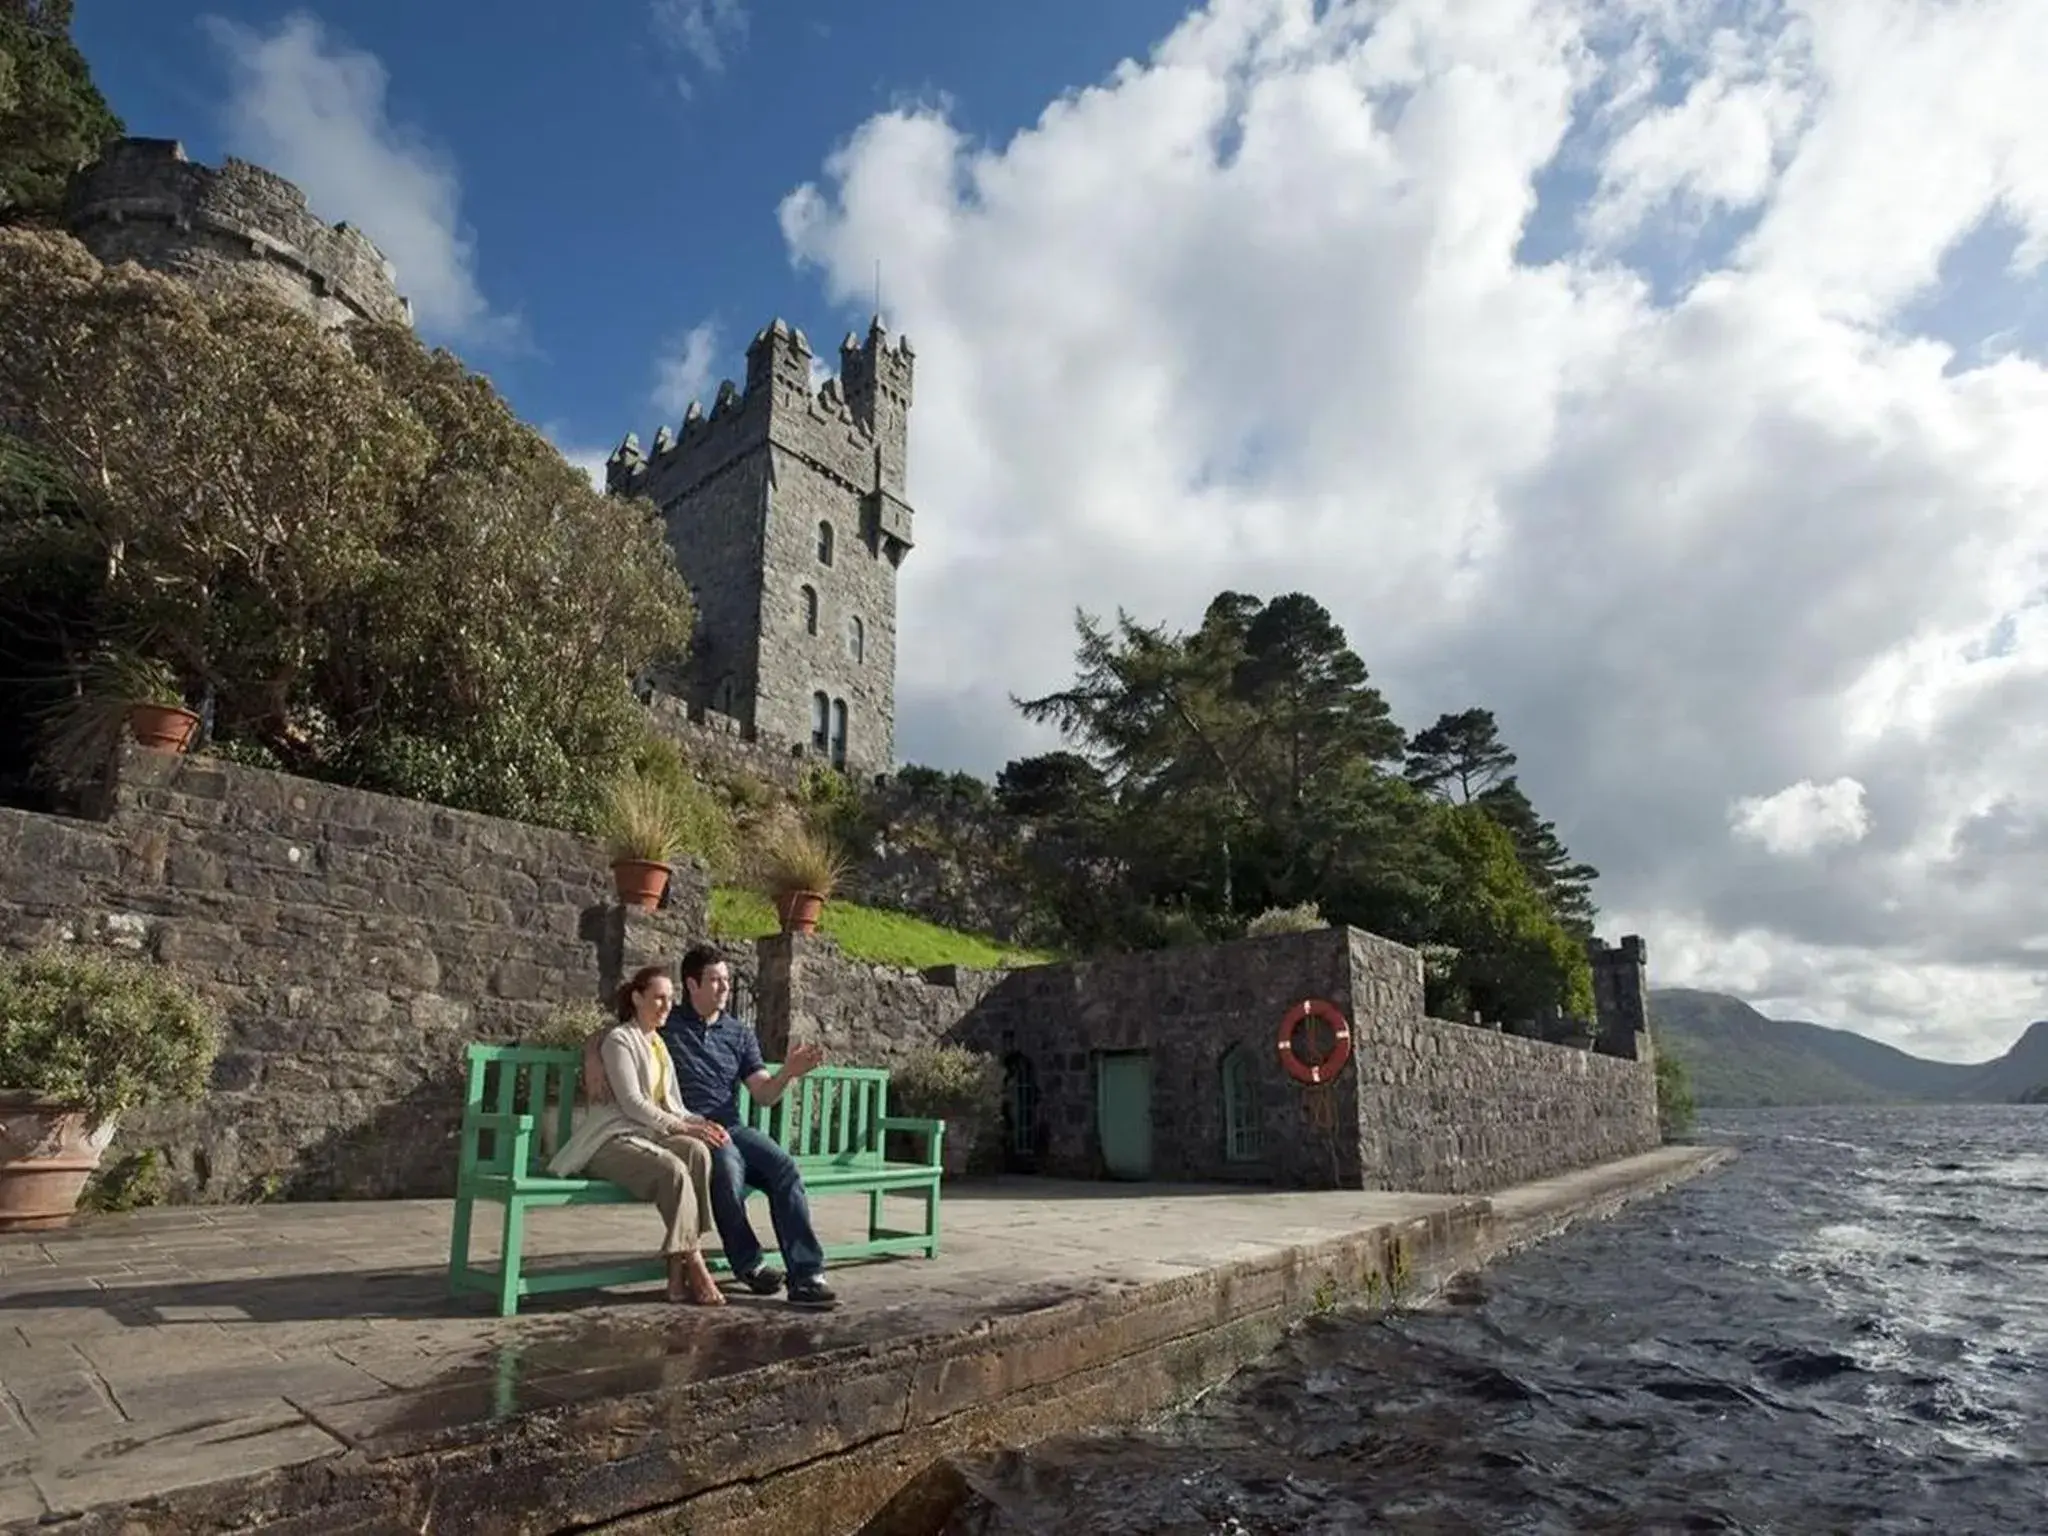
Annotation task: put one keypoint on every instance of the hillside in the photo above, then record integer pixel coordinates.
(1736, 1058)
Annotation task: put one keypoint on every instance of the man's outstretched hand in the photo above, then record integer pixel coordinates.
(807, 1057)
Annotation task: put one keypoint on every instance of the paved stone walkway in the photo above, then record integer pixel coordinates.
(174, 1347)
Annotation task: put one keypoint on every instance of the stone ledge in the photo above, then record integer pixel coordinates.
(823, 1441)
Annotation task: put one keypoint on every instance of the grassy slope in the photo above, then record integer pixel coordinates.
(866, 933)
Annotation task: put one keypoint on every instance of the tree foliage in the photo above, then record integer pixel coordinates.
(52, 117)
(1250, 765)
(358, 560)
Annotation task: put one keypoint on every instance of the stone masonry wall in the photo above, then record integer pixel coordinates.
(1423, 1105)
(1187, 1007)
(143, 201)
(873, 1015)
(357, 944)
(748, 490)
(1460, 1109)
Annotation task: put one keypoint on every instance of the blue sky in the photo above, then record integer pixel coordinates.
(1668, 376)
(618, 190)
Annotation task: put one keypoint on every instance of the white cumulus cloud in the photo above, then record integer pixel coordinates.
(705, 34)
(306, 105)
(683, 372)
(1574, 353)
(1802, 818)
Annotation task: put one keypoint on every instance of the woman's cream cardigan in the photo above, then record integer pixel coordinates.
(628, 1053)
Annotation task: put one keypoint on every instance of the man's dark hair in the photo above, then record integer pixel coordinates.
(700, 959)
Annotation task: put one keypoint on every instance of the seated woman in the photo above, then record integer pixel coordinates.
(642, 1139)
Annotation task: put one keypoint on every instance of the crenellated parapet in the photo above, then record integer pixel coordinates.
(143, 200)
(850, 426)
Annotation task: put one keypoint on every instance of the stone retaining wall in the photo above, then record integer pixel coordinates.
(357, 944)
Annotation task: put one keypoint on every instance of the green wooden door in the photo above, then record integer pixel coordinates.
(1123, 1113)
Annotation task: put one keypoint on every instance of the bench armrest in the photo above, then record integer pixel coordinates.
(512, 1140)
(483, 1120)
(934, 1130)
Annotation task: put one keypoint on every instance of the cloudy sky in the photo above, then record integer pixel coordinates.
(1669, 376)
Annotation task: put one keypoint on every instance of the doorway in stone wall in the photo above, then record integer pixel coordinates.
(1123, 1113)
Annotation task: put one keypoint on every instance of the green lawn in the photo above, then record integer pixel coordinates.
(867, 933)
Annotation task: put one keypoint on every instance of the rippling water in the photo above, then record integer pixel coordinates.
(1844, 1330)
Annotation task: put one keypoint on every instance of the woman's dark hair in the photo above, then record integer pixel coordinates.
(632, 987)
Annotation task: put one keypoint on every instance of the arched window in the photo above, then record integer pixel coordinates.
(839, 733)
(1242, 1142)
(810, 610)
(824, 543)
(1020, 1106)
(856, 638)
(821, 715)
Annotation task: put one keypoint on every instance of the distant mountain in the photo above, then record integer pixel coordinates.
(1736, 1057)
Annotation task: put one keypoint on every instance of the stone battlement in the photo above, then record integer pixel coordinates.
(143, 200)
(851, 426)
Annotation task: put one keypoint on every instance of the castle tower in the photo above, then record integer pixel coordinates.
(1621, 997)
(785, 508)
(240, 225)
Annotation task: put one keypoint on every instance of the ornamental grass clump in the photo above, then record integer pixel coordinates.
(101, 1033)
(795, 858)
(644, 818)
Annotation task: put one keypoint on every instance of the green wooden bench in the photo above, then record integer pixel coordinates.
(831, 1121)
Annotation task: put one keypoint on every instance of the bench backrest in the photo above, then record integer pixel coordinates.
(831, 1115)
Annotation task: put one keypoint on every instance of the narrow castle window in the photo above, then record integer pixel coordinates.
(824, 543)
(838, 733)
(856, 638)
(1241, 1129)
(820, 720)
(810, 610)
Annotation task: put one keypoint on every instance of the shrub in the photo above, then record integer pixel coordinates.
(949, 1082)
(1301, 919)
(1675, 1107)
(107, 1034)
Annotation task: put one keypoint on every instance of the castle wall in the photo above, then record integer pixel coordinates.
(143, 201)
(356, 943)
(857, 587)
(1423, 1105)
(745, 489)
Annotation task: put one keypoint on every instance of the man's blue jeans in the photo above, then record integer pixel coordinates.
(752, 1158)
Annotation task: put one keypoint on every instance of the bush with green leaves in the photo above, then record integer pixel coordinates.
(1297, 919)
(1675, 1108)
(949, 1082)
(101, 1032)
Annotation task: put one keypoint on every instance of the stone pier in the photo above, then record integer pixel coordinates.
(299, 1368)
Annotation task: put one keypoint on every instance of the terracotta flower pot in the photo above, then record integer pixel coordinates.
(162, 727)
(640, 882)
(47, 1152)
(799, 911)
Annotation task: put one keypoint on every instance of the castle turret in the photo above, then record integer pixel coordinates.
(785, 507)
(1621, 997)
(877, 380)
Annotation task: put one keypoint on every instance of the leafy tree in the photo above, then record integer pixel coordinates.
(364, 563)
(1515, 960)
(1675, 1108)
(1461, 753)
(52, 118)
(1566, 883)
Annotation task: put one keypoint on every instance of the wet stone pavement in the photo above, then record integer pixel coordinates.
(175, 1347)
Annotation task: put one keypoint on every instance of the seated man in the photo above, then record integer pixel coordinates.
(713, 1054)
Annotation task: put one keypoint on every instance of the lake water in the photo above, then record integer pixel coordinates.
(1844, 1330)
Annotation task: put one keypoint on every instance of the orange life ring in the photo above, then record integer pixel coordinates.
(1327, 1069)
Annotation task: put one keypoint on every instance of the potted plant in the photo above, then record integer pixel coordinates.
(155, 704)
(86, 1036)
(951, 1083)
(800, 868)
(644, 827)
